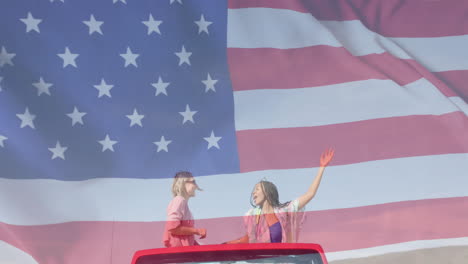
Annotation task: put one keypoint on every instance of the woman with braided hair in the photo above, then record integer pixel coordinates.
(275, 222)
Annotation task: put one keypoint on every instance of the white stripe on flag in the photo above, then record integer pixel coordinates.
(286, 29)
(339, 103)
(460, 103)
(394, 248)
(9, 255)
(36, 202)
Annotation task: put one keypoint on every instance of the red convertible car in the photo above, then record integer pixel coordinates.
(294, 253)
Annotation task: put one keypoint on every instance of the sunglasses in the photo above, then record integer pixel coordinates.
(191, 181)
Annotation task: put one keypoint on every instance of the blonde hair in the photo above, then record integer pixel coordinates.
(178, 185)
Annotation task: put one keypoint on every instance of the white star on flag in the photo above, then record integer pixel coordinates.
(68, 58)
(26, 119)
(42, 87)
(209, 84)
(76, 116)
(183, 56)
(104, 88)
(153, 25)
(188, 114)
(123, 1)
(160, 86)
(94, 25)
(31, 23)
(58, 151)
(107, 144)
(130, 58)
(203, 25)
(5, 57)
(2, 138)
(135, 118)
(178, 1)
(162, 144)
(212, 140)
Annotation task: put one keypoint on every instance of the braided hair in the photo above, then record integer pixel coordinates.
(271, 194)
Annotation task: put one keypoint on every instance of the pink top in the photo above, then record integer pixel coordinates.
(178, 214)
(290, 218)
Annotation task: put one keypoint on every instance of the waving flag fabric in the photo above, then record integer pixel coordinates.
(103, 101)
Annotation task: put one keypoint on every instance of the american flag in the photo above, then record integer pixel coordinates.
(103, 101)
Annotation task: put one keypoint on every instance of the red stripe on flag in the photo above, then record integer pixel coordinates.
(377, 139)
(335, 230)
(394, 18)
(456, 80)
(71, 243)
(269, 68)
(378, 225)
(88, 242)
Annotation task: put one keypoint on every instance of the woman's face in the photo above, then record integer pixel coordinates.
(190, 186)
(258, 195)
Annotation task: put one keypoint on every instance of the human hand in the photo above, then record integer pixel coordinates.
(201, 232)
(326, 157)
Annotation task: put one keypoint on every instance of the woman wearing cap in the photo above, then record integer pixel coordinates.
(180, 230)
(275, 222)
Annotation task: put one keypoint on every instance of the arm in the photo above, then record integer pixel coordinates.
(176, 212)
(325, 159)
(185, 231)
(242, 240)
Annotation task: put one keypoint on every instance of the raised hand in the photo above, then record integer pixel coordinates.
(326, 157)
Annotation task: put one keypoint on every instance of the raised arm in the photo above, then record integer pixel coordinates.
(325, 159)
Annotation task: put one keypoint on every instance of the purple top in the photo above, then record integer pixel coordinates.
(276, 233)
(290, 218)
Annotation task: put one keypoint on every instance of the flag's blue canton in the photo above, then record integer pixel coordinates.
(26, 151)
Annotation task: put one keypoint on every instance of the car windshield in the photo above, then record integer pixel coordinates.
(284, 253)
(314, 258)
